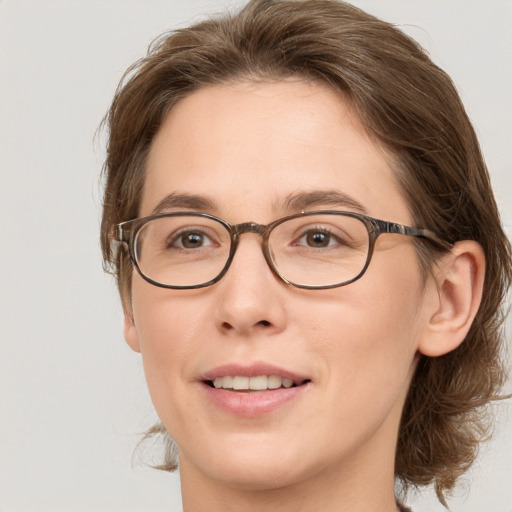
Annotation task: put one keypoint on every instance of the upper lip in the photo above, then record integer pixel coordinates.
(252, 370)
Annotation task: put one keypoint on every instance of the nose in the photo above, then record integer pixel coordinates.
(250, 297)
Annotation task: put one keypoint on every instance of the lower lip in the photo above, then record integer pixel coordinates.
(255, 403)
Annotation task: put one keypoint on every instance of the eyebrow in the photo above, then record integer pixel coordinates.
(321, 198)
(294, 202)
(182, 200)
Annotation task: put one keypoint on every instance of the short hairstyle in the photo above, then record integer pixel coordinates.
(407, 104)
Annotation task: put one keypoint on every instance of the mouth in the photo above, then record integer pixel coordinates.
(253, 390)
(259, 383)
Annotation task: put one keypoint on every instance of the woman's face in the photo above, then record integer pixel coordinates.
(241, 152)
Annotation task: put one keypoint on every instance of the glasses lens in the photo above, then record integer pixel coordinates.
(182, 250)
(320, 250)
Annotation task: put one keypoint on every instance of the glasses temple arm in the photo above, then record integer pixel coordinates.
(401, 229)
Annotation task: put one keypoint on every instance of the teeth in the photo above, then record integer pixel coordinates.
(259, 383)
(287, 383)
(274, 382)
(240, 383)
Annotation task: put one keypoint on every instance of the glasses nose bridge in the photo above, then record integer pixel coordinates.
(250, 227)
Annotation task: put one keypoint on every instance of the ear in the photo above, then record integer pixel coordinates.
(130, 331)
(457, 289)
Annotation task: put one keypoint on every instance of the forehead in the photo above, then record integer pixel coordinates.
(249, 146)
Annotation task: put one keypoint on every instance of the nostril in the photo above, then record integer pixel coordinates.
(226, 326)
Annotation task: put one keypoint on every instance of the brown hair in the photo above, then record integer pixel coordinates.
(411, 107)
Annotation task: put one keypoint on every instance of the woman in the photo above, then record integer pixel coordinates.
(310, 259)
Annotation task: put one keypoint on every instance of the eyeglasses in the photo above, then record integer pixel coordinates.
(312, 250)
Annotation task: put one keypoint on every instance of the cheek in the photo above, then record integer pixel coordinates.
(367, 332)
(169, 330)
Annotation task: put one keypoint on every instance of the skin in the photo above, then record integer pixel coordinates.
(246, 147)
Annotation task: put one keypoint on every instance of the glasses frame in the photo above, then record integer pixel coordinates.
(126, 233)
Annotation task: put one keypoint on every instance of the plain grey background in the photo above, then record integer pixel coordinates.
(72, 395)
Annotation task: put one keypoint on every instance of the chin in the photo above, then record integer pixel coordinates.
(258, 477)
(257, 467)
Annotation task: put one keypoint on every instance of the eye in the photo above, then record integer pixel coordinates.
(318, 238)
(192, 239)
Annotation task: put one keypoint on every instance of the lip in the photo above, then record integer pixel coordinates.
(251, 404)
(252, 370)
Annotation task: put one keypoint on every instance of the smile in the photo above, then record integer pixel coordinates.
(257, 383)
(252, 390)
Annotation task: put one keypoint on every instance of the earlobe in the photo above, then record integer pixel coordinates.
(130, 331)
(459, 284)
